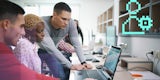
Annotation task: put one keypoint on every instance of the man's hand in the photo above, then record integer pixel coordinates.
(77, 67)
(87, 66)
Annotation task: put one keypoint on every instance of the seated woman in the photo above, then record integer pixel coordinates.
(26, 49)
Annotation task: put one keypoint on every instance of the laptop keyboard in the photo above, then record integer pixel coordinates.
(89, 57)
(93, 74)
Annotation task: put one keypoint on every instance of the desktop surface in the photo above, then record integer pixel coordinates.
(119, 74)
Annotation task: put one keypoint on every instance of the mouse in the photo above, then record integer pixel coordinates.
(99, 66)
(95, 60)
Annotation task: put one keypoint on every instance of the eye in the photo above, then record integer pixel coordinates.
(64, 19)
(22, 26)
(40, 31)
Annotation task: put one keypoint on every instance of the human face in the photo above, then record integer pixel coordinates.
(61, 20)
(14, 30)
(39, 32)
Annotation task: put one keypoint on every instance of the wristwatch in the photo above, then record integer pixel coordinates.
(83, 62)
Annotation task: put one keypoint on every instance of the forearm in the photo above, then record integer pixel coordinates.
(78, 50)
(56, 53)
(73, 35)
(48, 45)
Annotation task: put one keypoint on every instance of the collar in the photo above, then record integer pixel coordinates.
(5, 49)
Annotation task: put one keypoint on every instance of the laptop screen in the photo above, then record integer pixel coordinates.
(112, 59)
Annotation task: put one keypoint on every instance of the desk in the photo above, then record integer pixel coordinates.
(120, 74)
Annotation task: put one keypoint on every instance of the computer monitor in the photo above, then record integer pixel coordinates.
(111, 35)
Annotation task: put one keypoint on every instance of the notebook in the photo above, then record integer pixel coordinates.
(108, 70)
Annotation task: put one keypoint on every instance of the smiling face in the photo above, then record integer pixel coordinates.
(39, 32)
(61, 20)
(14, 30)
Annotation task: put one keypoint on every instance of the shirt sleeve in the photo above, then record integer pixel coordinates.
(12, 69)
(36, 61)
(22, 52)
(64, 46)
(73, 35)
(49, 46)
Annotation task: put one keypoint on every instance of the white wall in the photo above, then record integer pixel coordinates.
(89, 12)
(139, 46)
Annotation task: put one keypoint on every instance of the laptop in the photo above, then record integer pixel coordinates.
(108, 70)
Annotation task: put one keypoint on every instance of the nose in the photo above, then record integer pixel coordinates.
(66, 22)
(42, 34)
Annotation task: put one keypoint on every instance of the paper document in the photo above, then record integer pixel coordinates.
(147, 75)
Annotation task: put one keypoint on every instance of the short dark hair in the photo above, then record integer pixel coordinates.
(9, 10)
(61, 6)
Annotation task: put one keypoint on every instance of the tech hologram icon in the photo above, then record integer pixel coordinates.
(145, 22)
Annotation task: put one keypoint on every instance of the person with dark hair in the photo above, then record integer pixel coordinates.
(66, 39)
(79, 29)
(26, 50)
(57, 27)
(11, 28)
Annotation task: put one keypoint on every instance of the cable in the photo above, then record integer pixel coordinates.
(156, 65)
(154, 60)
(148, 54)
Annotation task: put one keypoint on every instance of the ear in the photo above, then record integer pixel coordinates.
(5, 24)
(54, 14)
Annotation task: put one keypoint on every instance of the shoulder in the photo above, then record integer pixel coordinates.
(46, 18)
(24, 43)
(23, 46)
(71, 24)
(47, 24)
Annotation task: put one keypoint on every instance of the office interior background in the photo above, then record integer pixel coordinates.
(88, 13)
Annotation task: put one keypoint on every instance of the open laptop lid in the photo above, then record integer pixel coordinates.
(112, 59)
